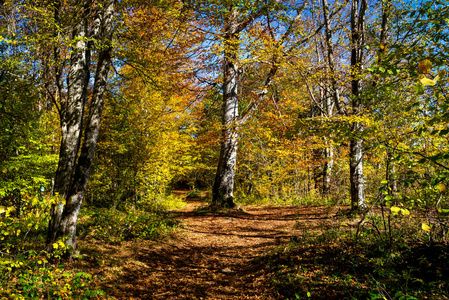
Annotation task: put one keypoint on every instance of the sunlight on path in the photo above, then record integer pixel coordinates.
(214, 256)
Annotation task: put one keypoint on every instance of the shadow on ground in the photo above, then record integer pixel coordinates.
(216, 255)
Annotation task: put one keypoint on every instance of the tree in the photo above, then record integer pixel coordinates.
(236, 19)
(73, 172)
(223, 189)
(357, 21)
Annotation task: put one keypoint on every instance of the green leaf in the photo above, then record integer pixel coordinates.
(419, 89)
(405, 212)
(443, 211)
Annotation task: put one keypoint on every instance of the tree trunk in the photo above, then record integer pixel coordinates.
(335, 92)
(328, 165)
(71, 116)
(223, 189)
(356, 174)
(69, 217)
(330, 60)
(66, 226)
(358, 9)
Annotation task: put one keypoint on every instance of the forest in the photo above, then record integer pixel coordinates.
(224, 149)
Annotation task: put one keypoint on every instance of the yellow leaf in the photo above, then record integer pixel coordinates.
(425, 227)
(395, 210)
(426, 81)
(405, 212)
(441, 187)
(55, 245)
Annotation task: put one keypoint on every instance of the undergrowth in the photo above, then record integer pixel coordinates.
(29, 272)
(117, 226)
(362, 261)
(279, 201)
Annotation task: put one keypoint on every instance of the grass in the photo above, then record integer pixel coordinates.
(255, 200)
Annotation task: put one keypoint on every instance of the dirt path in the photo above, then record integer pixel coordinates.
(214, 257)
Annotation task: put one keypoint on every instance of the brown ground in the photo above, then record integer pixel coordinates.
(214, 256)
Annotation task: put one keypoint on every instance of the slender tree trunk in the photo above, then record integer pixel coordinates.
(330, 59)
(328, 165)
(358, 9)
(223, 189)
(335, 92)
(390, 175)
(356, 173)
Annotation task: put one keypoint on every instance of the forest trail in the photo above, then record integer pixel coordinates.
(215, 255)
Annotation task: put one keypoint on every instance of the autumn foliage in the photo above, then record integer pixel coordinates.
(107, 107)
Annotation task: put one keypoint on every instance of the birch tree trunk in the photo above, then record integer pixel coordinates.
(223, 189)
(358, 9)
(335, 92)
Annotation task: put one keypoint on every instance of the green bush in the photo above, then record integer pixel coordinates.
(116, 226)
(25, 270)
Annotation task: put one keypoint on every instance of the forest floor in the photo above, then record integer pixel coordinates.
(215, 255)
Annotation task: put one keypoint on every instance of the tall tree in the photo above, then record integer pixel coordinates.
(335, 94)
(233, 20)
(357, 24)
(73, 174)
(235, 23)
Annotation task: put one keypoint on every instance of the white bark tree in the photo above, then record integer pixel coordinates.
(357, 22)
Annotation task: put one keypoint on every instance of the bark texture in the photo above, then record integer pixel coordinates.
(223, 189)
(328, 165)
